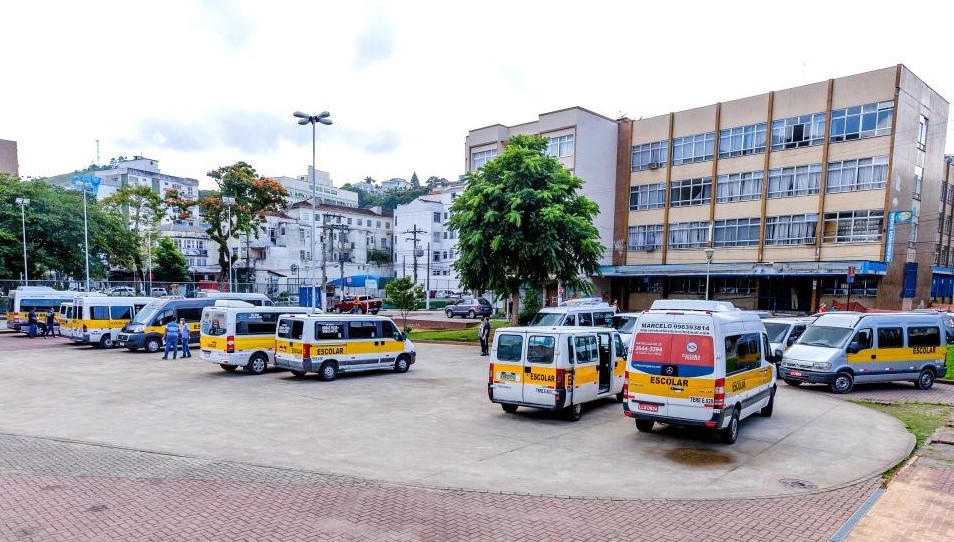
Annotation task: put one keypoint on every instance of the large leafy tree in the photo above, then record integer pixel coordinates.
(521, 222)
(142, 209)
(170, 265)
(254, 196)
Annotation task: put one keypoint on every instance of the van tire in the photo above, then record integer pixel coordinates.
(793, 383)
(228, 368)
(508, 408)
(152, 345)
(843, 383)
(402, 364)
(731, 433)
(573, 413)
(644, 426)
(925, 380)
(766, 411)
(298, 374)
(328, 371)
(257, 364)
(106, 341)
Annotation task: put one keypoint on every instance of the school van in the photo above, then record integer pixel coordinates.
(259, 300)
(555, 368)
(237, 334)
(578, 312)
(334, 344)
(147, 327)
(38, 298)
(98, 320)
(843, 348)
(64, 316)
(699, 363)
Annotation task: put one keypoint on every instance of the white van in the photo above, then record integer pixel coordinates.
(255, 299)
(591, 311)
(98, 320)
(699, 363)
(842, 348)
(237, 334)
(555, 368)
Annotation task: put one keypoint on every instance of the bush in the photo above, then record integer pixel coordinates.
(529, 306)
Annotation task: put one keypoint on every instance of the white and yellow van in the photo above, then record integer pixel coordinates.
(98, 320)
(64, 317)
(555, 368)
(842, 348)
(589, 311)
(699, 363)
(340, 343)
(259, 300)
(237, 334)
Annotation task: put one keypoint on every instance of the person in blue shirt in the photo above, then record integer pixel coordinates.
(172, 339)
(184, 333)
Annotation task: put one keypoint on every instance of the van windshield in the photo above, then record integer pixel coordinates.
(148, 313)
(826, 337)
(624, 324)
(776, 331)
(547, 319)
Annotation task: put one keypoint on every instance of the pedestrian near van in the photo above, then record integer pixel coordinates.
(50, 324)
(171, 338)
(31, 320)
(184, 334)
(484, 334)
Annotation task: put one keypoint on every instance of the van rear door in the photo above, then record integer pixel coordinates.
(506, 367)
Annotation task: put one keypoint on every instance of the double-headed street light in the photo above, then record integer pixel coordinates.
(709, 252)
(304, 119)
(23, 202)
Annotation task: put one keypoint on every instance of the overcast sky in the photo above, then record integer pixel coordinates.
(198, 84)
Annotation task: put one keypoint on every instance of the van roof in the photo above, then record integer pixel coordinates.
(693, 305)
(851, 319)
(585, 301)
(556, 329)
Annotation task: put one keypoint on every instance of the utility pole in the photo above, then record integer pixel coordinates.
(427, 288)
(414, 233)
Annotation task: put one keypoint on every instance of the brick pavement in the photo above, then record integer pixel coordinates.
(55, 490)
(892, 392)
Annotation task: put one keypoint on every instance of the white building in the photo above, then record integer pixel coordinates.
(395, 184)
(299, 188)
(201, 253)
(142, 171)
(436, 245)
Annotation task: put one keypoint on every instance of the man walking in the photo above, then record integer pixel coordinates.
(172, 339)
(184, 333)
(31, 320)
(484, 334)
(50, 324)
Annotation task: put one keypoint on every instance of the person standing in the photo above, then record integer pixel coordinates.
(50, 323)
(484, 334)
(184, 333)
(31, 320)
(171, 338)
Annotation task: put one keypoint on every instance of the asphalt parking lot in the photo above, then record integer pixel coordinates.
(431, 427)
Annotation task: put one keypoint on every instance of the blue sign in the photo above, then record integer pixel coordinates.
(87, 182)
(894, 218)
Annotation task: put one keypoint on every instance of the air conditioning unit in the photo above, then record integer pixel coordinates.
(654, 165)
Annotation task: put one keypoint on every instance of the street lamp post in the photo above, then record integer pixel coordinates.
(303, 119)
(709, 252)
(229, 202)
(23, 202)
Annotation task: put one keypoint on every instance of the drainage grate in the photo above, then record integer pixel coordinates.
(797, 484)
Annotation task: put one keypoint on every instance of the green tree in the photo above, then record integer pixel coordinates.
(378, 257)
(405, 296)
(531, 306)
(170, 264)
(142, 209)
(521, 222)
(415, 182)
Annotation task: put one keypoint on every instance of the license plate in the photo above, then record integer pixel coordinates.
(796, 373)
(648, 407)
(120, 344)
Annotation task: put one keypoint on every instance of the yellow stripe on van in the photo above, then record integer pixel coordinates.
(670, 386)
(586, 375)
(914, 355)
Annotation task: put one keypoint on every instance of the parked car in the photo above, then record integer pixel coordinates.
(124, 291)
(361, 304)
(158, 292)
(469, 307)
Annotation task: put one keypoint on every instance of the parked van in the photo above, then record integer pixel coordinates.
(340, 343)
(842, 348)
(237, 334)
(699, 363)
(98, 320)
(64, 316)
(555, 368)
(591, 311)
(38, 298)
(259, 300)
(147, 327)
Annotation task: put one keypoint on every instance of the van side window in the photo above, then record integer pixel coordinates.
(164, 317)
(863, 338)
(97, 313)
(362, 330)
(540, 349)
(585, 319)
(924, 336)
(603, 319)
(890, 337)
(388, 329)
(255, 323)
(191, 314)
(796, 333)
(586, 349)
(120, 313)
(620, 349)
(570, 320)
(742, 352)
(329, 331)
(509, 347)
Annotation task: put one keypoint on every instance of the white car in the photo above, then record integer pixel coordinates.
(124, 291)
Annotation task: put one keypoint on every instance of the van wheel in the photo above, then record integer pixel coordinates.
(471, 314)
(794, 383)
(573, 413)
(228, 368)
(328, 371)
(731, 432)
(508, 408)
(402, 364)
(925, 380)
(644, 426)
(152, 345)
(257, 364)
(106, 341)
(842, 383)
(766, 411)
(298, 374)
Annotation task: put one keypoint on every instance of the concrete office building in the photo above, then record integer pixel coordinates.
(299, 188)
(9, 160)
(435, 249)
(793, 190)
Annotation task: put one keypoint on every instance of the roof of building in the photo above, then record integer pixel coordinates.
(327, 207)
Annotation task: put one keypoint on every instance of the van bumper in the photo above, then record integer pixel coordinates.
(715, 422)
(131, 340)
(803, 375)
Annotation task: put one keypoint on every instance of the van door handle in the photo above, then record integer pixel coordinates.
(526, 369)
(874, 356)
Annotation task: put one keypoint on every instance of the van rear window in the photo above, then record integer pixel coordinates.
(290, 329)
(509, 347)
(539, 349)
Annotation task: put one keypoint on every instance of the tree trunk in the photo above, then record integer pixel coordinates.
(515, 310)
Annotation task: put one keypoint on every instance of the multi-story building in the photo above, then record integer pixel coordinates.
(943, 288)
(395, 183)
(299, 188)
(796, 196)
(9, 160)
(201, 253)
(423, 245)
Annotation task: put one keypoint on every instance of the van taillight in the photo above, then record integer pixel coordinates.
(230, 344)
(16, 318)
(85, 329)
(561, 380)
(626, 387)
(305, 351)
(719, 399)
(490, 377)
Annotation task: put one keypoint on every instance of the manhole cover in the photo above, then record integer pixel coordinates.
(797, 484)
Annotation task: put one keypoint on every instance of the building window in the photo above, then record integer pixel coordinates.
(861, 174)
(378, 224)
(922, 131)
(742, 140)
(853, 226)
(795, 132)
(647, 196)
(861, 121)
(690, 192)
(688, 235)
(739, 186)
(359, 222)
(650, 156)
(736, 232)
(788, 182)
(791, 230)
(694, 148)
(647, 238)
(437, 218)
(437, 256)
(479, 158)
(560, 147)
(918, 182)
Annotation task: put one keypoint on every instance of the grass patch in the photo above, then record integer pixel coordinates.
(921, 420)
(468, 335)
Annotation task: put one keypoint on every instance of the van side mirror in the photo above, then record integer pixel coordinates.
(853, 347)
(790, 341)
(777, 355)
(400, 336)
